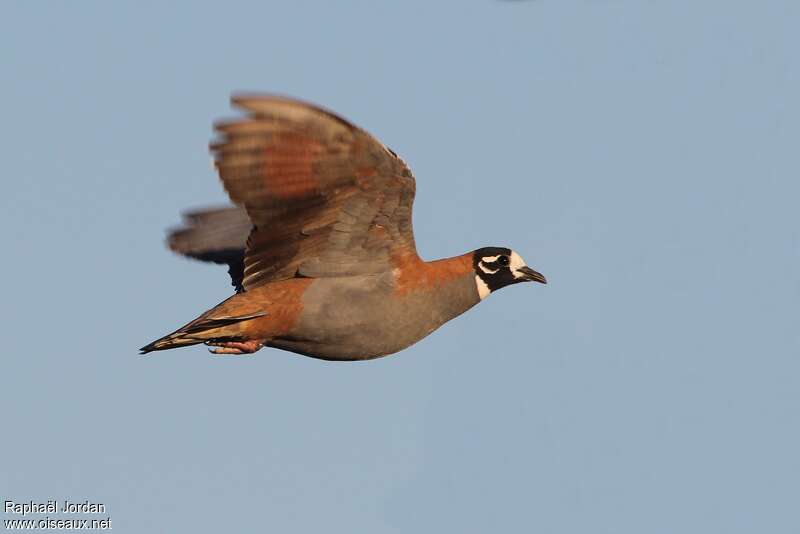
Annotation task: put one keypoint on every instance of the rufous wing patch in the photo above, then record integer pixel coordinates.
(325, 197)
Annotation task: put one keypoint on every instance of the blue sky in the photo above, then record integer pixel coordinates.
(643, 155)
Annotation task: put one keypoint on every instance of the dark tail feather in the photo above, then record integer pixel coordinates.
(169, 342)
(197, 332)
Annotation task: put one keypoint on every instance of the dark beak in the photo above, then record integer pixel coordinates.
(529, 275)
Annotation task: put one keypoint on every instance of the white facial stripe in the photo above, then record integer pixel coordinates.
(490, 259)
(515, 263)
(483, 289)
(486, 269)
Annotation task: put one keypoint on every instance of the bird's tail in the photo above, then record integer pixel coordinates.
(200, 330)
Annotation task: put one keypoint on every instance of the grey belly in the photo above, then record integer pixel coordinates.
(358, 318)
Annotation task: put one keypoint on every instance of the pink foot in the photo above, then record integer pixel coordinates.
(234, 347)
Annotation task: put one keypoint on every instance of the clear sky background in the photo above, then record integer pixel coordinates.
(642, 154)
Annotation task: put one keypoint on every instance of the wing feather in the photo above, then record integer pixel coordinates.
(325, 198)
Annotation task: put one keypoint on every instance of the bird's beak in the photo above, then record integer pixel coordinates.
(529, 275)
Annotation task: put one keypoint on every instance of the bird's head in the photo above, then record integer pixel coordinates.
(497, 267)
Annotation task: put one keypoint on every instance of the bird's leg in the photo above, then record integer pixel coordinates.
(234, 347)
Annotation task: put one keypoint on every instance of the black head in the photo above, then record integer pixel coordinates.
(497, 267)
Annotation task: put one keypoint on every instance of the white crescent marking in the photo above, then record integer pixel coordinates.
(483, 289)
(486, 269)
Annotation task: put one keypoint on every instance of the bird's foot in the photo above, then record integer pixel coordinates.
(234, 347)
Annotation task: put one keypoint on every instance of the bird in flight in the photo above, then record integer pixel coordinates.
(319, 244)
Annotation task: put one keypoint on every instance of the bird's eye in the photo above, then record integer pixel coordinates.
(503, 260)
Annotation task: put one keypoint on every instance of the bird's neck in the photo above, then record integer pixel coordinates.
(450, 279)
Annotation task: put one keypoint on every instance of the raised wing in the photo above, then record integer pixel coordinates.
(325, 198)
(217, 235)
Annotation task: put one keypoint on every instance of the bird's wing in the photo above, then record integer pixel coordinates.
(217, 235)
(325, 198)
